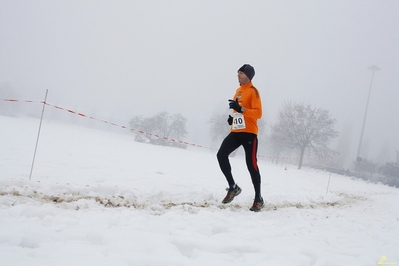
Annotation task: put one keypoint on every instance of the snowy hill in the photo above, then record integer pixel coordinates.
(99, 198)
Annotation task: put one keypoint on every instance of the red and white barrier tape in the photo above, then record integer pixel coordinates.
(156, 135)
(26, 101)
(106, 122)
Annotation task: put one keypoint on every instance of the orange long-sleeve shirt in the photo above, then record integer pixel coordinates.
(248, 97)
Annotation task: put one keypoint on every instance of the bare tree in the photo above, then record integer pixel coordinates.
(219, 128)
(277, 143)
(365, 169)
(390, 169)
(303, 128)
(161, 129)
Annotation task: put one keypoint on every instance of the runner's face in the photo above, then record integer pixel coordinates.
(242, 78)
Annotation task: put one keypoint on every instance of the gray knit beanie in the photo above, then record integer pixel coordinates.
(248, 70)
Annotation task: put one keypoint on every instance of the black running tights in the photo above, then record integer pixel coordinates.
(249, 142)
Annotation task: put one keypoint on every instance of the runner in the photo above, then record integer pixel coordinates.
(247, 109)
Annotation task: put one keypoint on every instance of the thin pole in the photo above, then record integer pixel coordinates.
(373, 68)
(38, 135)
(328, 183)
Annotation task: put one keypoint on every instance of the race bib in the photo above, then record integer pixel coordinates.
(238, 121)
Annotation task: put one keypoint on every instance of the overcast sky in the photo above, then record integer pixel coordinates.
(128, 58)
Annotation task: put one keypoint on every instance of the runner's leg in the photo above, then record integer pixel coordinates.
(250, 143)
(229, 144)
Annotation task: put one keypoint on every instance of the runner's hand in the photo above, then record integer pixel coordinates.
(230, 120)
(234, 105)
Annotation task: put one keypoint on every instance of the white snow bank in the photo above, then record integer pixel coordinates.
(99, 198)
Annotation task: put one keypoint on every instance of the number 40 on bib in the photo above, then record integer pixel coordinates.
(238, 121)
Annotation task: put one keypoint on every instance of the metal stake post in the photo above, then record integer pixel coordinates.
(38, 135)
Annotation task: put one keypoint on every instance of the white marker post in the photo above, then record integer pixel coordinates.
(328, 183)
(38, 135)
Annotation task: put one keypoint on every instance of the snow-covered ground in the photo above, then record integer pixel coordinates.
(99, 198)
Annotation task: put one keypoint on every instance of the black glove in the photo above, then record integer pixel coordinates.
(230, 120)
(234, 105)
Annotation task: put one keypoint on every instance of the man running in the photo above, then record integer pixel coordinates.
(247, 109)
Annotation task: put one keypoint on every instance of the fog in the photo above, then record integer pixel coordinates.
(125, 58)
